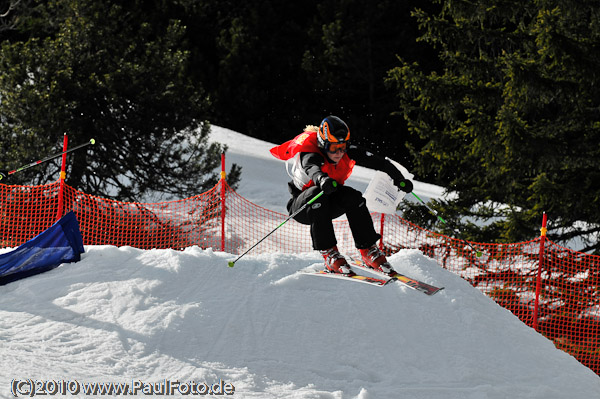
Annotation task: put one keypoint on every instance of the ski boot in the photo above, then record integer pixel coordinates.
(335, 262)
(375, 259)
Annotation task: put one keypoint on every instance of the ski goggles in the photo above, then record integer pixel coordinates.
(337, 147)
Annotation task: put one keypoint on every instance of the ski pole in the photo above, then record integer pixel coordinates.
(232, 263)
(51, 157)
(434, 213)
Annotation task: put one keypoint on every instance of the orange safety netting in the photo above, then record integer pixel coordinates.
(560, 299)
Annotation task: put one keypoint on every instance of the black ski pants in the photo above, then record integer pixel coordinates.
(320, 214)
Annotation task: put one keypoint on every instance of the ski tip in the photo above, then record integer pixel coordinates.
(433, 291)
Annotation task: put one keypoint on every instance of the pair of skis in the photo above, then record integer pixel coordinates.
(380, 281)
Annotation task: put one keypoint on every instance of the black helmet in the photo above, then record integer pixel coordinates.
(333, 130)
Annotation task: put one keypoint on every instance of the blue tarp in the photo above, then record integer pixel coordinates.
(61, 243)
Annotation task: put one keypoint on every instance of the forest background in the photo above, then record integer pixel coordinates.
(495, 100)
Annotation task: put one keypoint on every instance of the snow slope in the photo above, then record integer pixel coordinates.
(124, 314)
(262, 329)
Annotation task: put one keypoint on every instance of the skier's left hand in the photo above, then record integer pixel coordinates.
(3, 174)
(327, 184)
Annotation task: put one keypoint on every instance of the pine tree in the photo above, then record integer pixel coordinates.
(116, 71)
(353, 45)
(510, 120)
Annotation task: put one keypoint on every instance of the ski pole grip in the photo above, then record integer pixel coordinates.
(317, 196)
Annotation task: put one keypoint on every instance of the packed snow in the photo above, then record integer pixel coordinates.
(166, 323)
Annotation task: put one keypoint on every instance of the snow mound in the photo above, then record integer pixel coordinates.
(124, 315)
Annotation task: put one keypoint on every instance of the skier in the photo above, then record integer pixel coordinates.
(321, 159)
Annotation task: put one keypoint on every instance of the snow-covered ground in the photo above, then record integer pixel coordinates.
(155, 321)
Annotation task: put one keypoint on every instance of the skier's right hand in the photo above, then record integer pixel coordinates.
(327, 184)
(3, 174)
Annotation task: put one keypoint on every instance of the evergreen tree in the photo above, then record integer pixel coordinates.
(511, 118)
(257, 86)
(272, 67)
(353, 45)
(116, 71)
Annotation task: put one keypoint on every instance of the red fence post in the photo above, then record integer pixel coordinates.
(538, 284)
(381, 231)
(223, 202)
(61, 188)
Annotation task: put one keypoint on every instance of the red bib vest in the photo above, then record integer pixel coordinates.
(307, 142)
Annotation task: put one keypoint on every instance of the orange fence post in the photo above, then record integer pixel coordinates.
(538, 284)
(223, 202)
(63, 174)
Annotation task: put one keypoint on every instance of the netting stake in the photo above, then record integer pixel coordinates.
(63, 175)
(223, 201)
(538, 282)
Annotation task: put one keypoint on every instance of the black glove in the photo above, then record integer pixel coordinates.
(3, 175)
(397, 176)
(404, 185)
(327, 184)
